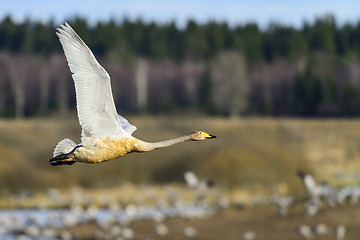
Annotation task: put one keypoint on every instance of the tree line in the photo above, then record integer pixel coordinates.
(215, 68)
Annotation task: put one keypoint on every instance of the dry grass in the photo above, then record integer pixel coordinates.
(255, 154)
(122, 195)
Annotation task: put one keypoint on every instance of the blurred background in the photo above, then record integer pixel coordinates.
(278, 83)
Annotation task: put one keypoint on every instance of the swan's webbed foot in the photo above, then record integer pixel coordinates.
(64, 159)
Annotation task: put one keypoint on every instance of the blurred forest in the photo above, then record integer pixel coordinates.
(212, 68)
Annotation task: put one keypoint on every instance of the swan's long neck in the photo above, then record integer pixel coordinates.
(148, 146)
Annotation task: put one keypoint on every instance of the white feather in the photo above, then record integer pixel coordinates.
(95, 105)
(126, 125)
(64, 146)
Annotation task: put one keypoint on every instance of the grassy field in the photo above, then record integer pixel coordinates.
(251, 157)
(251, 153)
(232, 224)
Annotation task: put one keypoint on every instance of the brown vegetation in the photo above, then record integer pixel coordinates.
(248, 153)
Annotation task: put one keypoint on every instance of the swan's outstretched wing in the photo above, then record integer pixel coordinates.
(95, 105)
(126, 125)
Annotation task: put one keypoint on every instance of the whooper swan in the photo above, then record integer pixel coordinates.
(105, 134)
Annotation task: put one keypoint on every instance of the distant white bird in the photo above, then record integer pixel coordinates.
(321, 229)
(49, 233)
(305, 231)
(317, 191)
(33, 231)
(128, 233)
(65, 235)
(351, 193)
(115, 231)
(194, 182)
(309, 182)
(191, 179)
(161, 229)
(201, 186)
(283, 203)
(190, 232)
(312, 206)
(248, 235)
(340, 232)
(105, 134)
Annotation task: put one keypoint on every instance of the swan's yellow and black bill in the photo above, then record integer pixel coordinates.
(211, 136)
(208, 136)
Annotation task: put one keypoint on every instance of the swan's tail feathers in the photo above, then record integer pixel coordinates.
(63, 153)
(64, 146)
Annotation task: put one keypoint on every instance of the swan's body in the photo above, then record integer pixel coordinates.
(105, 134)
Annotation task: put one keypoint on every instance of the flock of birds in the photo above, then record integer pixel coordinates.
(114, 220)
(318, 196)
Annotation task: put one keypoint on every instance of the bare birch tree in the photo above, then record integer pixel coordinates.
(230, 83)
(60, 75)
(189, 81)
(17, 73)
(2, 83)
(141, 81)
(44, 80)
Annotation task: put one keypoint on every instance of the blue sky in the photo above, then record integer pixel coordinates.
(234, 12)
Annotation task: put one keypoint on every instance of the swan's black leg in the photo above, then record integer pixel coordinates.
(63, 159)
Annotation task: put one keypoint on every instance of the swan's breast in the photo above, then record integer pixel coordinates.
(104, 149)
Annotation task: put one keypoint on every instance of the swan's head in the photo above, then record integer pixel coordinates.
(200, 135)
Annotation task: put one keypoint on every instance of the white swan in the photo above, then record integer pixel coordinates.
(105, 134)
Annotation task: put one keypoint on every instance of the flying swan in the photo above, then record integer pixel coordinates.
(105, 134)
